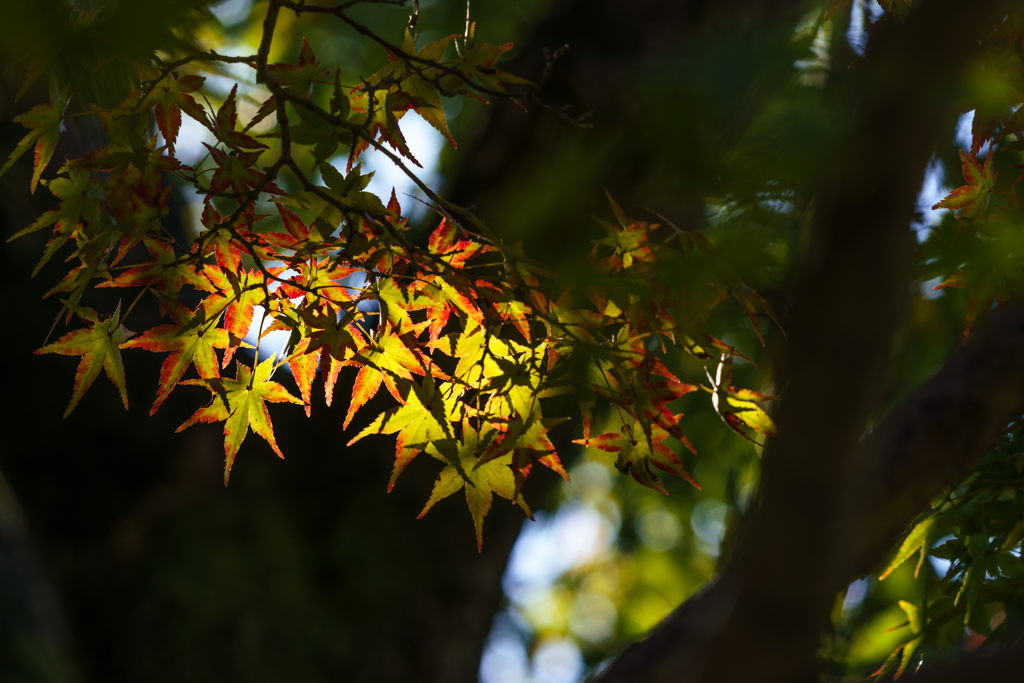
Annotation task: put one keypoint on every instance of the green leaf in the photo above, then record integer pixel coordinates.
(99, 347)
(80, 201)
(44, 124)
(975, 575)
(393, 358)
(890, 662)
(419, 422)
(1016, 534)
(914, 615)
(908, 654)
(480, 481)
(187, 344)
(739, 408)
(241, 403)
(916, 540)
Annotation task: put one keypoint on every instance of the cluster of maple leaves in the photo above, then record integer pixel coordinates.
(466, 334)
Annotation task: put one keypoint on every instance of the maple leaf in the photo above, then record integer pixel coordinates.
(483, 55)
(453, 248)
(997, 286)
(527, 440)
(241, 404)
(516, 387)
(427, 103)
(225, 123)
(304, 367)
(381, 108)
(131, 142)
(638, 451)
(986, 118)
(646, 394)
(536, 444)
(579, 324)
(98, 346)
(711, 344)
(236, 172)
(739, 408)
(169, 98)
(630, 240)
(80, 201)
(421, 420)
(320, 281)
(339, 339)
(342, 196)
(751, 302)
(306, 342)
(397, 302)
(480, 480)
(189, 341)
(454, 293)
(972, 197)
(297, 235)
(420, 84)
(166, 274)
(226, 248)
(242, 290)
(298, 79)
(507, 370)
(479, 59)
(349, 190)
(319, 133)
(477, 350)
(916, 541)
(393, 357)
(139, 200)
(44, 124)
(516, 312)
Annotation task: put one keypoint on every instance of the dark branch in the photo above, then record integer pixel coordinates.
(937, 435)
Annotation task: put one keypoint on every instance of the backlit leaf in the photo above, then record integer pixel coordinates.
(241, 403)
(99, 348)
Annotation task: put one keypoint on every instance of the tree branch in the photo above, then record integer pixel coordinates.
(938, 434)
